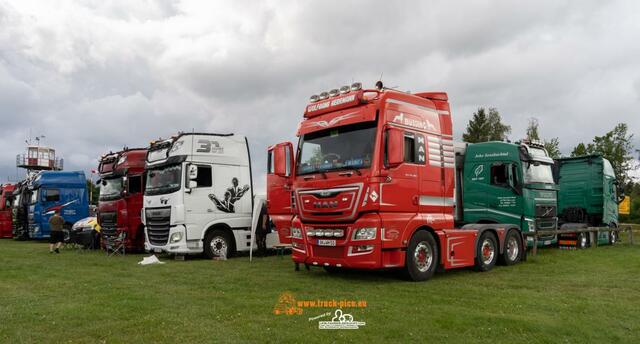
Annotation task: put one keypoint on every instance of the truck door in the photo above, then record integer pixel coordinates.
(503, 204)
(198, 208)
(401, 192)
(134, 204)
(279, 197)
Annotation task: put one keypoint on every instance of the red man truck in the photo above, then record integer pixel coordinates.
(372, 186)
(6, 202)
(121, 191)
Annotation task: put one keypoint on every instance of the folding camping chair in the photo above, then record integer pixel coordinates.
(69, 239)
(83, 240)
(115, 244)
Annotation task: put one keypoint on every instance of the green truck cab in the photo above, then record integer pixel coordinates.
(587, 196)
(504, 182)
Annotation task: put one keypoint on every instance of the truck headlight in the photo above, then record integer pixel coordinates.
(296, 233)
(367, 233)
(175, 237)
(531, 224)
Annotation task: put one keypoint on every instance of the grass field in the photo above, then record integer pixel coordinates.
(558, 296)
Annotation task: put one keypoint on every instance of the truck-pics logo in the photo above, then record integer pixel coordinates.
(209, 146)
(231, 196)
(341, 321)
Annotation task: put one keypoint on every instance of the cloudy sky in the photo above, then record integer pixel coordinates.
(93, 76)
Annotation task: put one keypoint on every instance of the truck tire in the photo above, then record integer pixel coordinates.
(486, 252)
(513, 249)
(582, 241)
(421, 259)
(216, 241)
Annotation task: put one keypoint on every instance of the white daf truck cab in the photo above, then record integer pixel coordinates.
(199, 195)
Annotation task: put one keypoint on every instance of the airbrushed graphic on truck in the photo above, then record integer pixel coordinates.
(231, 195)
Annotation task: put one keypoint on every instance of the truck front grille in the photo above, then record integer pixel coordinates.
(158, 223)
(546, 211)
(108, 223)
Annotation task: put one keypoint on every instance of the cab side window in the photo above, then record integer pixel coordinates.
(135, 184)
(205, 176)
(409, 148)
(499, 176)
(270, 169)
(51, 195)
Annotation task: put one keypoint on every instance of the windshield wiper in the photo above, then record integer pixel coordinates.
(351, 168)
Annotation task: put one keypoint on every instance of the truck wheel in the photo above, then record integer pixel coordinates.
(217, 241)
(486, 252)
(513, 249)
(582, 241)
(421, 258)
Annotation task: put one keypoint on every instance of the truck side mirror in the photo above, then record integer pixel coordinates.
(513, 179)
(193, 172)
(125, 186)
(395, 147)
(193, 184)
(280, 161)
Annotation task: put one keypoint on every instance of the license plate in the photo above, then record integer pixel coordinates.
(548, 242)
(157, 250)
(326, 242)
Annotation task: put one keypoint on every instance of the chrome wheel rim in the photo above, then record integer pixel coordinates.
(583, 240)
(423, 256)
(513, 249)
(488, 251)
(613, 237)
(218, 245)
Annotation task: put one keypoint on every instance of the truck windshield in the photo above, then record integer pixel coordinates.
(345, 147)
(111, 189)
(163, 180)
(537, 174)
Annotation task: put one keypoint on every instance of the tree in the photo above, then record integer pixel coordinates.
(93, 191)
(485, 126)
(580, 150)
(532, 129)
(551, 146)
(615, 146)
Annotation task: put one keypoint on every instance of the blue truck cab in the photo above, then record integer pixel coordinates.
(51, 190)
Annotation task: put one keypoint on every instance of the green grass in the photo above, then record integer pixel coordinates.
(558, 296)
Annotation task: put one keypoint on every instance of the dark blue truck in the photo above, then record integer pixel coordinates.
(52, 190)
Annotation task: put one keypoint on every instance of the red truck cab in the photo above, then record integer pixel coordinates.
(372, 187)
(121, 191)
(6, 202)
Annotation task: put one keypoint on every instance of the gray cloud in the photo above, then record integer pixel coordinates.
(94, 76)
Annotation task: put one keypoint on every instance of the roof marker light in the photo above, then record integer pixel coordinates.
(356, 86)
(314, 98)
(334, 92)
(345, 89)
(324, 95)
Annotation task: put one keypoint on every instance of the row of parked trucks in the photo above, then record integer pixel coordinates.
(376, 182)
(26, 207)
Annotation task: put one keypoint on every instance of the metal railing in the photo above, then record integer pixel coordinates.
(592, 231)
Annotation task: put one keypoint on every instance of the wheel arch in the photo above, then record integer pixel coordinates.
(224, 227)
(433, 233)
